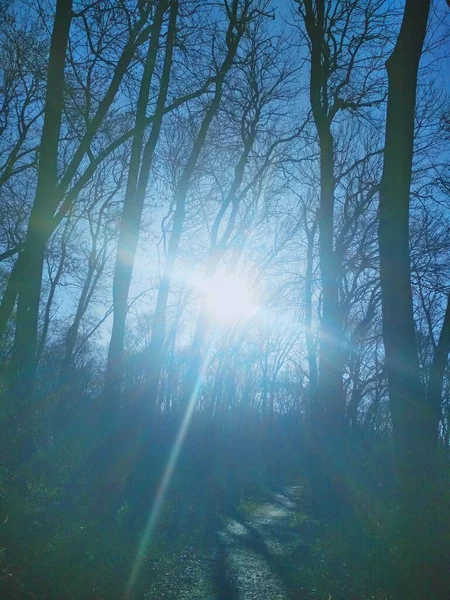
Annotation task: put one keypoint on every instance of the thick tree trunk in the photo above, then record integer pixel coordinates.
(39, 226)
(402, 362)
(330, 390)
(415, 424)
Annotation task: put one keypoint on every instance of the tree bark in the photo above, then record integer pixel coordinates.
(330, 390)
(415, 426)
(39, 226)
(97, 261)
(328, 408)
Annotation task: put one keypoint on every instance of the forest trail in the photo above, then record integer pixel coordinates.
(258, 547)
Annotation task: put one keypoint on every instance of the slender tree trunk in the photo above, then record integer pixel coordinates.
(193, 375)
(310, 344)
(437, 371)
(265, 384)
(134, 197)
(50, 192)
(71, 340)
(10, 295)
(216, 250)
(355, 401)
(83, 303)
(159, 319)
(328, 407)
(53, 285)
(171, 352)
(192, 379)
(155, 355)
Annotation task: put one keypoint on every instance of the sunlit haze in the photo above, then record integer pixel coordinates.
(229, 297)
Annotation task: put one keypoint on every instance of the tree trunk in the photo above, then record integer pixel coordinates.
(216, 251)
(10, 295)
(310, 344)
(134, 197)
(155, 358)
(193, 376)
(437, 371)
(53, 285)
(414, 424)
(39, 226)
(328, 407)
(92, 277)
(330, 389)
(50, 192)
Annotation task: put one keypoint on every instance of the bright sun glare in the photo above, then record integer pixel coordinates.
(229, 297)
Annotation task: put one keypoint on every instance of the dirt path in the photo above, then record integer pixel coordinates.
(257, 550)
(254, 552)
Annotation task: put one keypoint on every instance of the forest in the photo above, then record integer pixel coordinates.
(224, 299)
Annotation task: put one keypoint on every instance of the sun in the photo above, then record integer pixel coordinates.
(228, 297)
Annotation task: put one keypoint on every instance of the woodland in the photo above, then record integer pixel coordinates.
(224, 299)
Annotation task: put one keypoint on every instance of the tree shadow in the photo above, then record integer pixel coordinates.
(224, 585)
(255, 540)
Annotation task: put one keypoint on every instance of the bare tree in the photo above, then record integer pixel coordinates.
(415, 414)
(32, 256)
(101, 217)
(140, 163)
(239, 15)
(345, 79)
(265, 84)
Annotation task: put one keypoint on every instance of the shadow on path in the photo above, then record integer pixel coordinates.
(260, 551)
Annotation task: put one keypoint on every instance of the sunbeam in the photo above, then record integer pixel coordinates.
(165, 481)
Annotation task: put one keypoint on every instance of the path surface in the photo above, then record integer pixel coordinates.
(254, 546)
(255, 553)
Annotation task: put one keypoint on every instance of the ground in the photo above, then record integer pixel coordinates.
(258, 542)
(252, 555)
